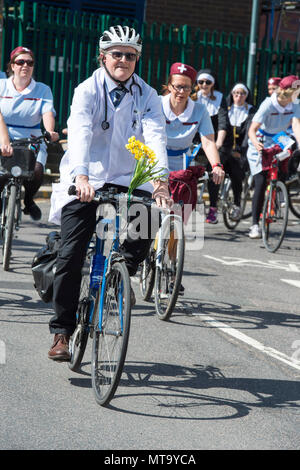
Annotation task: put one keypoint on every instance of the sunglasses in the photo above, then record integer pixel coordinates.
(208, 82)
(181, 87)
(30, 63)
(129, 56)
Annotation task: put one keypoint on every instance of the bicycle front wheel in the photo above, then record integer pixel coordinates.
(10, 218)
(111, 334)
(275, 216)
(168, 274)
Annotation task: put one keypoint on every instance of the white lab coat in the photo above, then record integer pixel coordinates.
(101, 154)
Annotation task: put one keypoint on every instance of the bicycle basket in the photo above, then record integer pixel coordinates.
(23, 158)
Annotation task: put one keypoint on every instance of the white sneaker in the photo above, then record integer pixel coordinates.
(255, 232)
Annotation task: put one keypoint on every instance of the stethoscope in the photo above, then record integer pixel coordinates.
(105, 123)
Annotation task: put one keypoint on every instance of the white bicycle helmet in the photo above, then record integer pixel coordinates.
(120, 36)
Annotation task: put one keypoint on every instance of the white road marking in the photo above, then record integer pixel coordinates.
(292, 282)
(271, 264)
(250, 341)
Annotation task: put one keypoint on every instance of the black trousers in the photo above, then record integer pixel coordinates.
(78, 222)
(233, 168)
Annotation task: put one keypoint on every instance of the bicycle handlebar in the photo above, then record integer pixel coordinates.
(112, 196)
(31, 140)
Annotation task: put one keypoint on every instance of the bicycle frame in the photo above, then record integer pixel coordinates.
(272, 177)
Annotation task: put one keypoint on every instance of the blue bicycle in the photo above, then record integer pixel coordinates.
(104, 308)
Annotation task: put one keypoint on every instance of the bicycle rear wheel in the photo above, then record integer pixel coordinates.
(10, 218)
(168, 275)
(294, 197)
(110, 338)
(79, 339)
(147, 274)
(227, 208)
(275, 216)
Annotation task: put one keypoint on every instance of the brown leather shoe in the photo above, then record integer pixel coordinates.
(60, 348)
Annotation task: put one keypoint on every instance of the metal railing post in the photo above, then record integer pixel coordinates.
(251, 70)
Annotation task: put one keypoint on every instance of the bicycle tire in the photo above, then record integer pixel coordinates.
(111, 341)
(9, 227)
(294, 198)
(227, 205)
(273, 212)
(170, 271)
(245, 196)
(147, 274)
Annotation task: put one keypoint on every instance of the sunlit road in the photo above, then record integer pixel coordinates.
(223, 373)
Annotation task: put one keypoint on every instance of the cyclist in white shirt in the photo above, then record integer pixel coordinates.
(107, 109)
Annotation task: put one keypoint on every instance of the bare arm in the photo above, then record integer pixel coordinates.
(211, 151)
(252, 136)
(49, 124)
(296, 129)
(6, 148)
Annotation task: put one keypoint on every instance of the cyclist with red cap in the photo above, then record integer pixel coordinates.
(273, 83)
(274, 115)
(23, 104)
(184, 118)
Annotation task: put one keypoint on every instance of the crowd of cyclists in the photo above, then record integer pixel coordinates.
(107, 109)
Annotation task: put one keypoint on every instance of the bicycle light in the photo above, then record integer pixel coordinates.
(16, 171)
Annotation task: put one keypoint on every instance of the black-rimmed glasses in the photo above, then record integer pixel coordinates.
(181, 87)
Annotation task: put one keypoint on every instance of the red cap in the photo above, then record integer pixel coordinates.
(274, 81)
(291, 81)
(20, 50)
(182, 69)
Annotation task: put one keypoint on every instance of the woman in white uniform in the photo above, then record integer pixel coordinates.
(23, 104)
(274, 115)
(184, 118)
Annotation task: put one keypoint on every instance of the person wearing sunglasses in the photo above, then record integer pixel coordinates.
(24, 103)
(108, 108)
(215, 103)
(240, 113)
(184, 118)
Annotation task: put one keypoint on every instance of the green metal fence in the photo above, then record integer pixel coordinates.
(66, 48)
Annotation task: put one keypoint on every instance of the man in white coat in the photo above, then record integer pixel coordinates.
(108, 108)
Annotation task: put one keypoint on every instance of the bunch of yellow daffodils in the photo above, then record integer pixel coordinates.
(145, 166)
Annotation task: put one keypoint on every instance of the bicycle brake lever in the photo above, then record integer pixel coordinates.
(72, 190)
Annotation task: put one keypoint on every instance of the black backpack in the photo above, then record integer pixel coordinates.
(43, 266)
